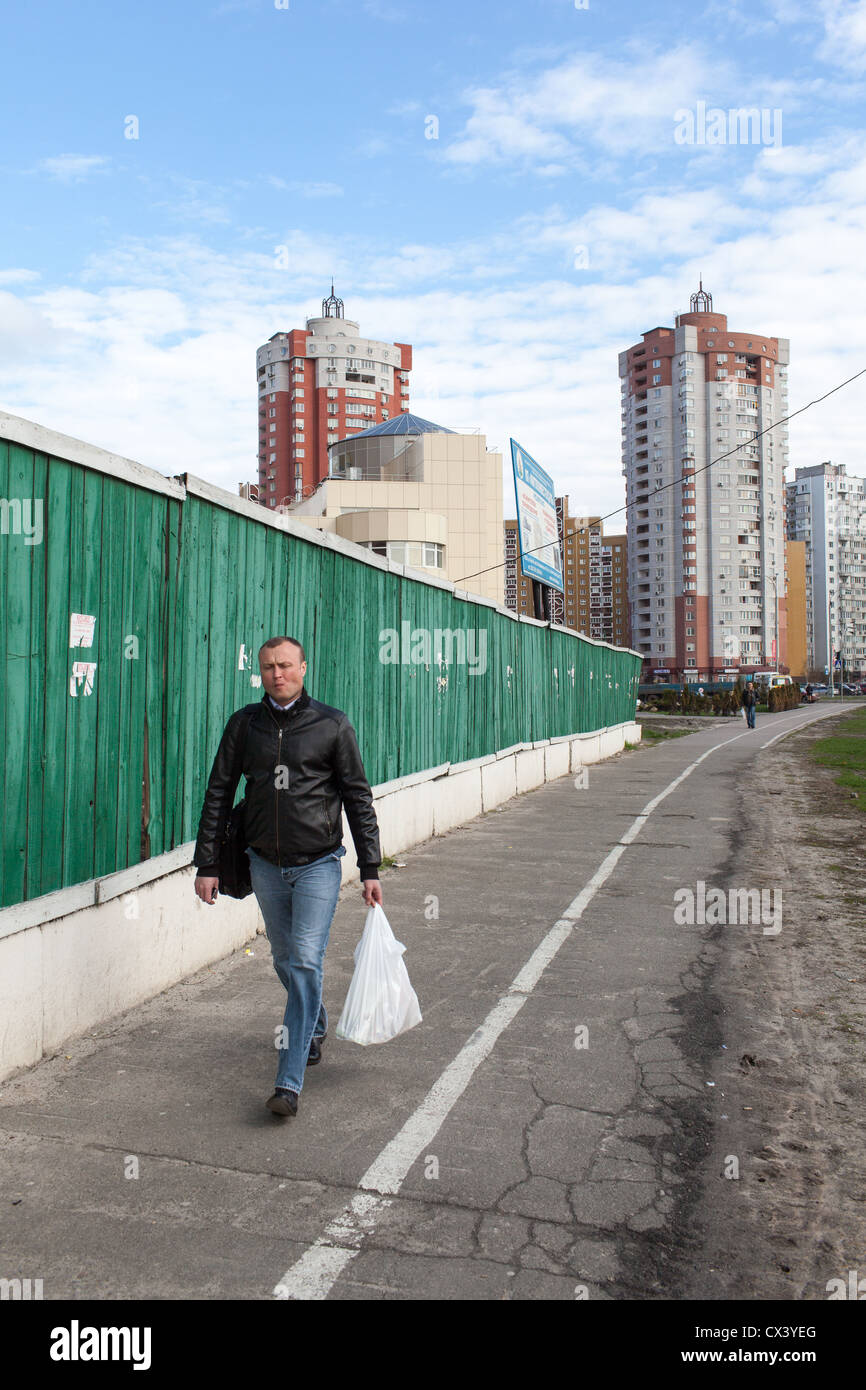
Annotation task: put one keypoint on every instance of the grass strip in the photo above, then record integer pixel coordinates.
(846, 751)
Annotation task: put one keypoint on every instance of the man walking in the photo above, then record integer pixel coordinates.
(750, 701)
(302, 764)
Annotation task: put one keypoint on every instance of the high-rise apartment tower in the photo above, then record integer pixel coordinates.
(706, 495)
(827, 510)
(318, 385)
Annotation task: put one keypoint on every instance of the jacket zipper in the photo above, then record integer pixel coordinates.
(276, 790)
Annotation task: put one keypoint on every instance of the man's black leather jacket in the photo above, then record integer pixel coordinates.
(295, 816)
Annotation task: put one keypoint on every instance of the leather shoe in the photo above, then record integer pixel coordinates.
(283, 1102)
(315, 1053)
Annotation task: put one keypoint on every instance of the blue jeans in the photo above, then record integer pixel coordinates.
(750, 716)
(298, 906)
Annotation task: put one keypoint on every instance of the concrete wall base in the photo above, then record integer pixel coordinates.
(73, 959)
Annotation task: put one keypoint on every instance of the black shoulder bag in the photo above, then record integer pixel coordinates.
(234, 870)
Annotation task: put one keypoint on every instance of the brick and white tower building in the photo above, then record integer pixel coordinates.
(318, 385)
(706, 544)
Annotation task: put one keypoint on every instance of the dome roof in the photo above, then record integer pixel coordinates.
(401, 424)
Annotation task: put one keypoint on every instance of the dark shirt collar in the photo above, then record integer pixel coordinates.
(297, 704)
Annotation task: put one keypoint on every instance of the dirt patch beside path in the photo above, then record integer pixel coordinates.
(790, 1092)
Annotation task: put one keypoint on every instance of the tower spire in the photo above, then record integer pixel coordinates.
(701, 302)
(332, 308)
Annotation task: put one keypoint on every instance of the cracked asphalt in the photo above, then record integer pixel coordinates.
(142, 1163)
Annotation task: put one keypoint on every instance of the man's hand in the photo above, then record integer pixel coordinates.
(371, 889)
(207, 889)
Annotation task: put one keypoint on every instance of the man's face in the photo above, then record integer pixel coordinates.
(282, 672)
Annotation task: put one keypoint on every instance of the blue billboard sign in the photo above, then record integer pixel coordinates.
(537, 531)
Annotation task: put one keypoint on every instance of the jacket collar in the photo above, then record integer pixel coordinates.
(301, 703)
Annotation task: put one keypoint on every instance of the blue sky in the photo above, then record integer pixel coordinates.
(552, 218)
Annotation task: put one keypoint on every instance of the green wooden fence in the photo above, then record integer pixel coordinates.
(178, 583)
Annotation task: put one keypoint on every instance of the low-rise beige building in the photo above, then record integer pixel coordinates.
(422, 495)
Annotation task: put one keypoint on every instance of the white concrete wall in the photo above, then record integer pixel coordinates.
(73, 959)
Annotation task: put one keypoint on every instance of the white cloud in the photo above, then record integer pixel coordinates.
(25, 333)
(845, 33)
(73, 168)
(151, 352)
(586, 101)
(318, 190)
(17, 277)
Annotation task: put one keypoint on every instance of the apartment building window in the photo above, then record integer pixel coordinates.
(272, 429)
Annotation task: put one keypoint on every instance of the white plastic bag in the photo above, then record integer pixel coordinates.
(743, 710)
(381, 1002)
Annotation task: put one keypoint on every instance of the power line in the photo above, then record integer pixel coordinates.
(693, 474)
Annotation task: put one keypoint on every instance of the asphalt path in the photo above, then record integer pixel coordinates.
(537, 1136)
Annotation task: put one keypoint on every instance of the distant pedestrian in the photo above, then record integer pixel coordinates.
(750, 701)
(302, 765)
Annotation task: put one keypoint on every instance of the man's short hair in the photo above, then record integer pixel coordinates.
(279, 642)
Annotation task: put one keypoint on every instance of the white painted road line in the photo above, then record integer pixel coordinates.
(315, 1273)
(818, 714)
